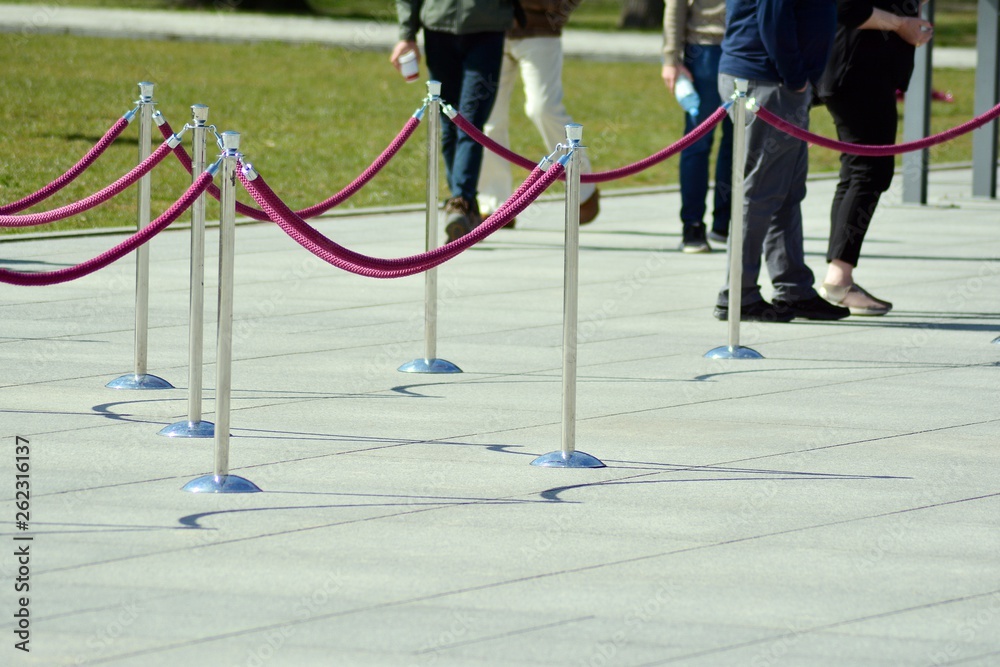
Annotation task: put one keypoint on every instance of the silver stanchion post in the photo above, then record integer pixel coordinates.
(568, 456)
(221, 481)
(193, 426)
(430, 363)
(734, 350)
(140, 379)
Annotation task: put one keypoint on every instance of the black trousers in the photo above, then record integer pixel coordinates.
(864, 116)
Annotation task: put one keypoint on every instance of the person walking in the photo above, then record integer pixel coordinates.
(872, 58)
(533, 52)
(692, 38)
(463, 40)
(780, 47)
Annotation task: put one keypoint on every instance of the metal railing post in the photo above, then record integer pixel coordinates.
(140, 379)
(568, 456)
(430, 363)
(733, 350)
(194, 426)
(221, 481)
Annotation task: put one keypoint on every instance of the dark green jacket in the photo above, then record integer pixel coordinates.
(458, 17)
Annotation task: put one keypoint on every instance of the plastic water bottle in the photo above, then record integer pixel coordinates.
(686, 95)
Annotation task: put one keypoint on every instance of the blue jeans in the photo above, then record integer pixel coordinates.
(468, 67)
(703, 62)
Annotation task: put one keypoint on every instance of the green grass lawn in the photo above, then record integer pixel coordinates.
(312, 118)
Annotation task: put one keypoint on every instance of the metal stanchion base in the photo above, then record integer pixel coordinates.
(562, 460)
(996, 341)
(133, 381)
(429, 366)
(188, 429)
(221, 484)
(729, 352)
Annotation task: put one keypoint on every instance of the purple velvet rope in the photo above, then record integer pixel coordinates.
(332, 253)
(74, 171)
(601, 176)
(115, 253)
(113, 190)
(876, 151)
(323, 206)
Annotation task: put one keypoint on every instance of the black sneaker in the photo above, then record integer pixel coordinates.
(758, 311)
(694, 239)
(719, 237)
(463, 217)
(815, 308)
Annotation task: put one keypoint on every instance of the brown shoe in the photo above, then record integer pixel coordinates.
(462, 217)
(590, 208)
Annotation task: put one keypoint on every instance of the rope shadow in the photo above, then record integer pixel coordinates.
(192, 521)
(554, 493)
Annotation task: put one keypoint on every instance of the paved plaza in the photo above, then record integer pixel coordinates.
(835, 503)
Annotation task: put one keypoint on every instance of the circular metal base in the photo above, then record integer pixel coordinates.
(221, 484)
(133, 381)
(729, 352)
(996, 341)
(429, 366)
(186, 429)
(563, 460)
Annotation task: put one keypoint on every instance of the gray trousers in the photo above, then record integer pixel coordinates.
(774, 187)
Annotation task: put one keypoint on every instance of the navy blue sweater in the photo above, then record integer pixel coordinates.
(784, 41)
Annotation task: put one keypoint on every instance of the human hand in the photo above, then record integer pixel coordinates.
(670, 73)
(915, 31)
(402, 47)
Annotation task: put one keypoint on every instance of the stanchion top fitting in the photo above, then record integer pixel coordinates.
(574, 133)
(434, 88)
(145, 92)
(741, 87)
(199, 114)
(230, 142)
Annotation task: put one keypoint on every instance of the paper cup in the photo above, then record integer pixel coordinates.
(408, 66)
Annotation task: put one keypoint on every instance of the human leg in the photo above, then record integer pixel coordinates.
(481, 54)
(866, 116)
(703, 63)
(495, 179)
(541, 64)
(444, 63)
(723, 195)
(765, 185)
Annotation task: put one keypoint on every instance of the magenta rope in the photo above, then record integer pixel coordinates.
(311, 212)
(332, 253)
(74, 171)
(877, 151)
(599, 176)
(115, 253)
(113, 190)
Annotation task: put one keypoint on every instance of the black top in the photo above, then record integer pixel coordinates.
(868, 58)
